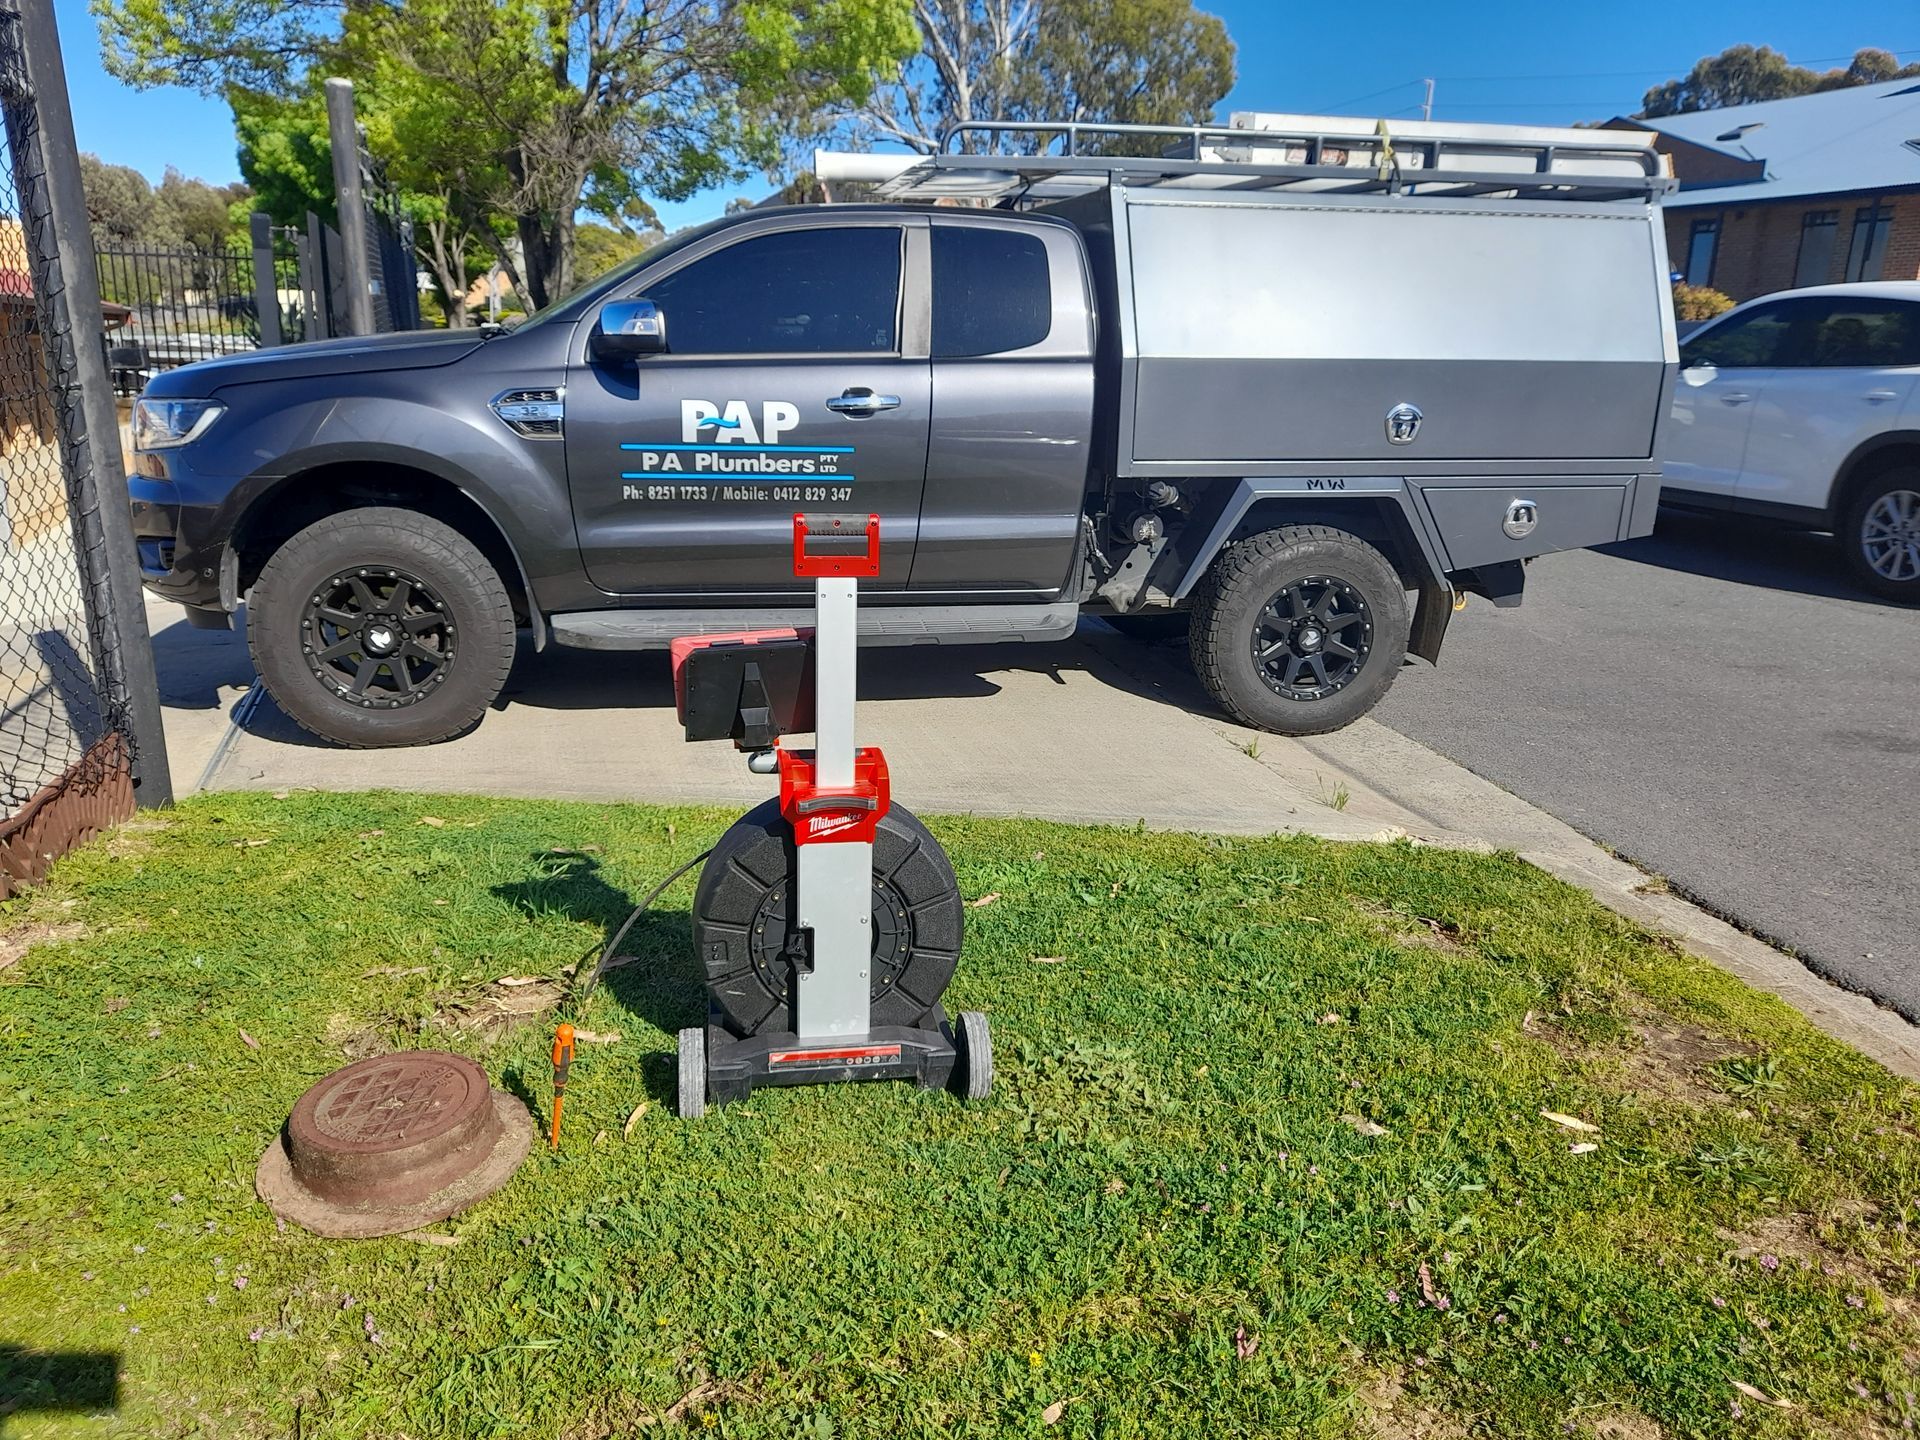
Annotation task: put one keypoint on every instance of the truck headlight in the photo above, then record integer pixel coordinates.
(164, 424)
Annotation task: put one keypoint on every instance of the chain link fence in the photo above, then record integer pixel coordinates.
(80, 738)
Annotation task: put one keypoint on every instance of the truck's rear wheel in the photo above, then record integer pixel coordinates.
(1299, 630)
(381, 627)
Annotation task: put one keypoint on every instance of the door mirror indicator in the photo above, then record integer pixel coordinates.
(627, 329)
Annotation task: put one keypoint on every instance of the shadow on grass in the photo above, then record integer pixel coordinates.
(655, 976)
(57, 1380)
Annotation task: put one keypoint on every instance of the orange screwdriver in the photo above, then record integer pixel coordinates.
(562, 1062)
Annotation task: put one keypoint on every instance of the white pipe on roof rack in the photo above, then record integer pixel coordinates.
(858, 165)
(1365, 127)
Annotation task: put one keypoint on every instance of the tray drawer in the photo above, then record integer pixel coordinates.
(1473, 520)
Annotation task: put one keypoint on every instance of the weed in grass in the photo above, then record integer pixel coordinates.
(1334, 796)
(1750, 1076)
(1160, 1225)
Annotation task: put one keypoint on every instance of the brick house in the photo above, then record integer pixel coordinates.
(1814, 190)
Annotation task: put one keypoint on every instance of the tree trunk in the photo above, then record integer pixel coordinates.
(546, 242)
(445, 254)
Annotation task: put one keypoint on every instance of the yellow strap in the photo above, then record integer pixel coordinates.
(1386, 150)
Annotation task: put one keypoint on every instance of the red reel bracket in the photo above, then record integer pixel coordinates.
(818, 814)
(808, 564)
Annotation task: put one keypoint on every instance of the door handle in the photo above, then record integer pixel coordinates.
(1734, 397)
(857, 401)
(1880, 397)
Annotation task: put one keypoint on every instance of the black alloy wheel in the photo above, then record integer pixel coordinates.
(1312, 639)
(378, 637)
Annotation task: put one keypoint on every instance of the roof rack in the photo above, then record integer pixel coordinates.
(1300, 153)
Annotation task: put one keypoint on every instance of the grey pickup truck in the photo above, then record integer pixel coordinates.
(1289, 387)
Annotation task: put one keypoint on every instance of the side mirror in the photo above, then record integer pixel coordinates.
(1698, 371)
(628, 329)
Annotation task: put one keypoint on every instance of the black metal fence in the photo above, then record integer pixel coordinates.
(168, 307)
(396, 287)
(163, 307)
(80, 737)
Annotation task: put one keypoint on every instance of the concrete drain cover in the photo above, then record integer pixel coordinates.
(391, 1144)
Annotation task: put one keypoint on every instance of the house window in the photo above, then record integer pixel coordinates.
(1817, 231)
(1702, 242)
(1872, 225)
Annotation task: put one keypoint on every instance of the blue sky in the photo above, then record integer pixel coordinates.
(1504, 60)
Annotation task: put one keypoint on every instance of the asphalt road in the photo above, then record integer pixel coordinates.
(1719, 704)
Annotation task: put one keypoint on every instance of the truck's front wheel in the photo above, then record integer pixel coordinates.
(381, 627)
(1299, 630)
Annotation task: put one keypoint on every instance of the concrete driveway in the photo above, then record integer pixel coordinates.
(1095, 729)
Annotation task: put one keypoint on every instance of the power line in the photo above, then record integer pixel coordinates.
(1529, 104)
(1358, 99)
(1679, 70)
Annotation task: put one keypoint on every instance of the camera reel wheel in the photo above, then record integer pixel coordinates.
(744, 934)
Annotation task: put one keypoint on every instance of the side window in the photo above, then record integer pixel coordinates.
(991, 292)
(832, 291)
(1754, 339)
(1866, 333)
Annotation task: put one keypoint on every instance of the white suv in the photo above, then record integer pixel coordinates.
(1804, 407)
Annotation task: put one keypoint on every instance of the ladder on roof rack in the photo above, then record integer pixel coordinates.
(1315, 154)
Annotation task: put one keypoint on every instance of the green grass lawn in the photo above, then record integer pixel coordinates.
(1265, 1157)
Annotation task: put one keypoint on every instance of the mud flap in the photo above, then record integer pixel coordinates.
(1430, 617)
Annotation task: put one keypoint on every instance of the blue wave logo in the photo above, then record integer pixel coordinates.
(720, 424)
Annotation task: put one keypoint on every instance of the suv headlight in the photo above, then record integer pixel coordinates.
(164, 424)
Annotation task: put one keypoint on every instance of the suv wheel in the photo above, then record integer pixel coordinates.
(381, 627)
(1299, 630)
(1881, 533)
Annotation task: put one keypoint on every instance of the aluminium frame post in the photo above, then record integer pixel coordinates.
(833, 882)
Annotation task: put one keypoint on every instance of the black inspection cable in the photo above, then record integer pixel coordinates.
(606, 961)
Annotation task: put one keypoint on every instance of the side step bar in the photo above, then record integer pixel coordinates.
(879, 625)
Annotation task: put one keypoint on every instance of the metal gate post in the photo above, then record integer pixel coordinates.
(266, 279)
(351, 204)
(53, 214)
(313, 276)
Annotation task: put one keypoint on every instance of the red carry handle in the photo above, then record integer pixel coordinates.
(844, 527)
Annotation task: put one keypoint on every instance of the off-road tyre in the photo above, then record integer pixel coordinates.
(453, 596)
(1256, 573)
(743, 922)
(1887, 507)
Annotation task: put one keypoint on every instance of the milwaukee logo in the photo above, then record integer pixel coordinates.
(820, 825)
